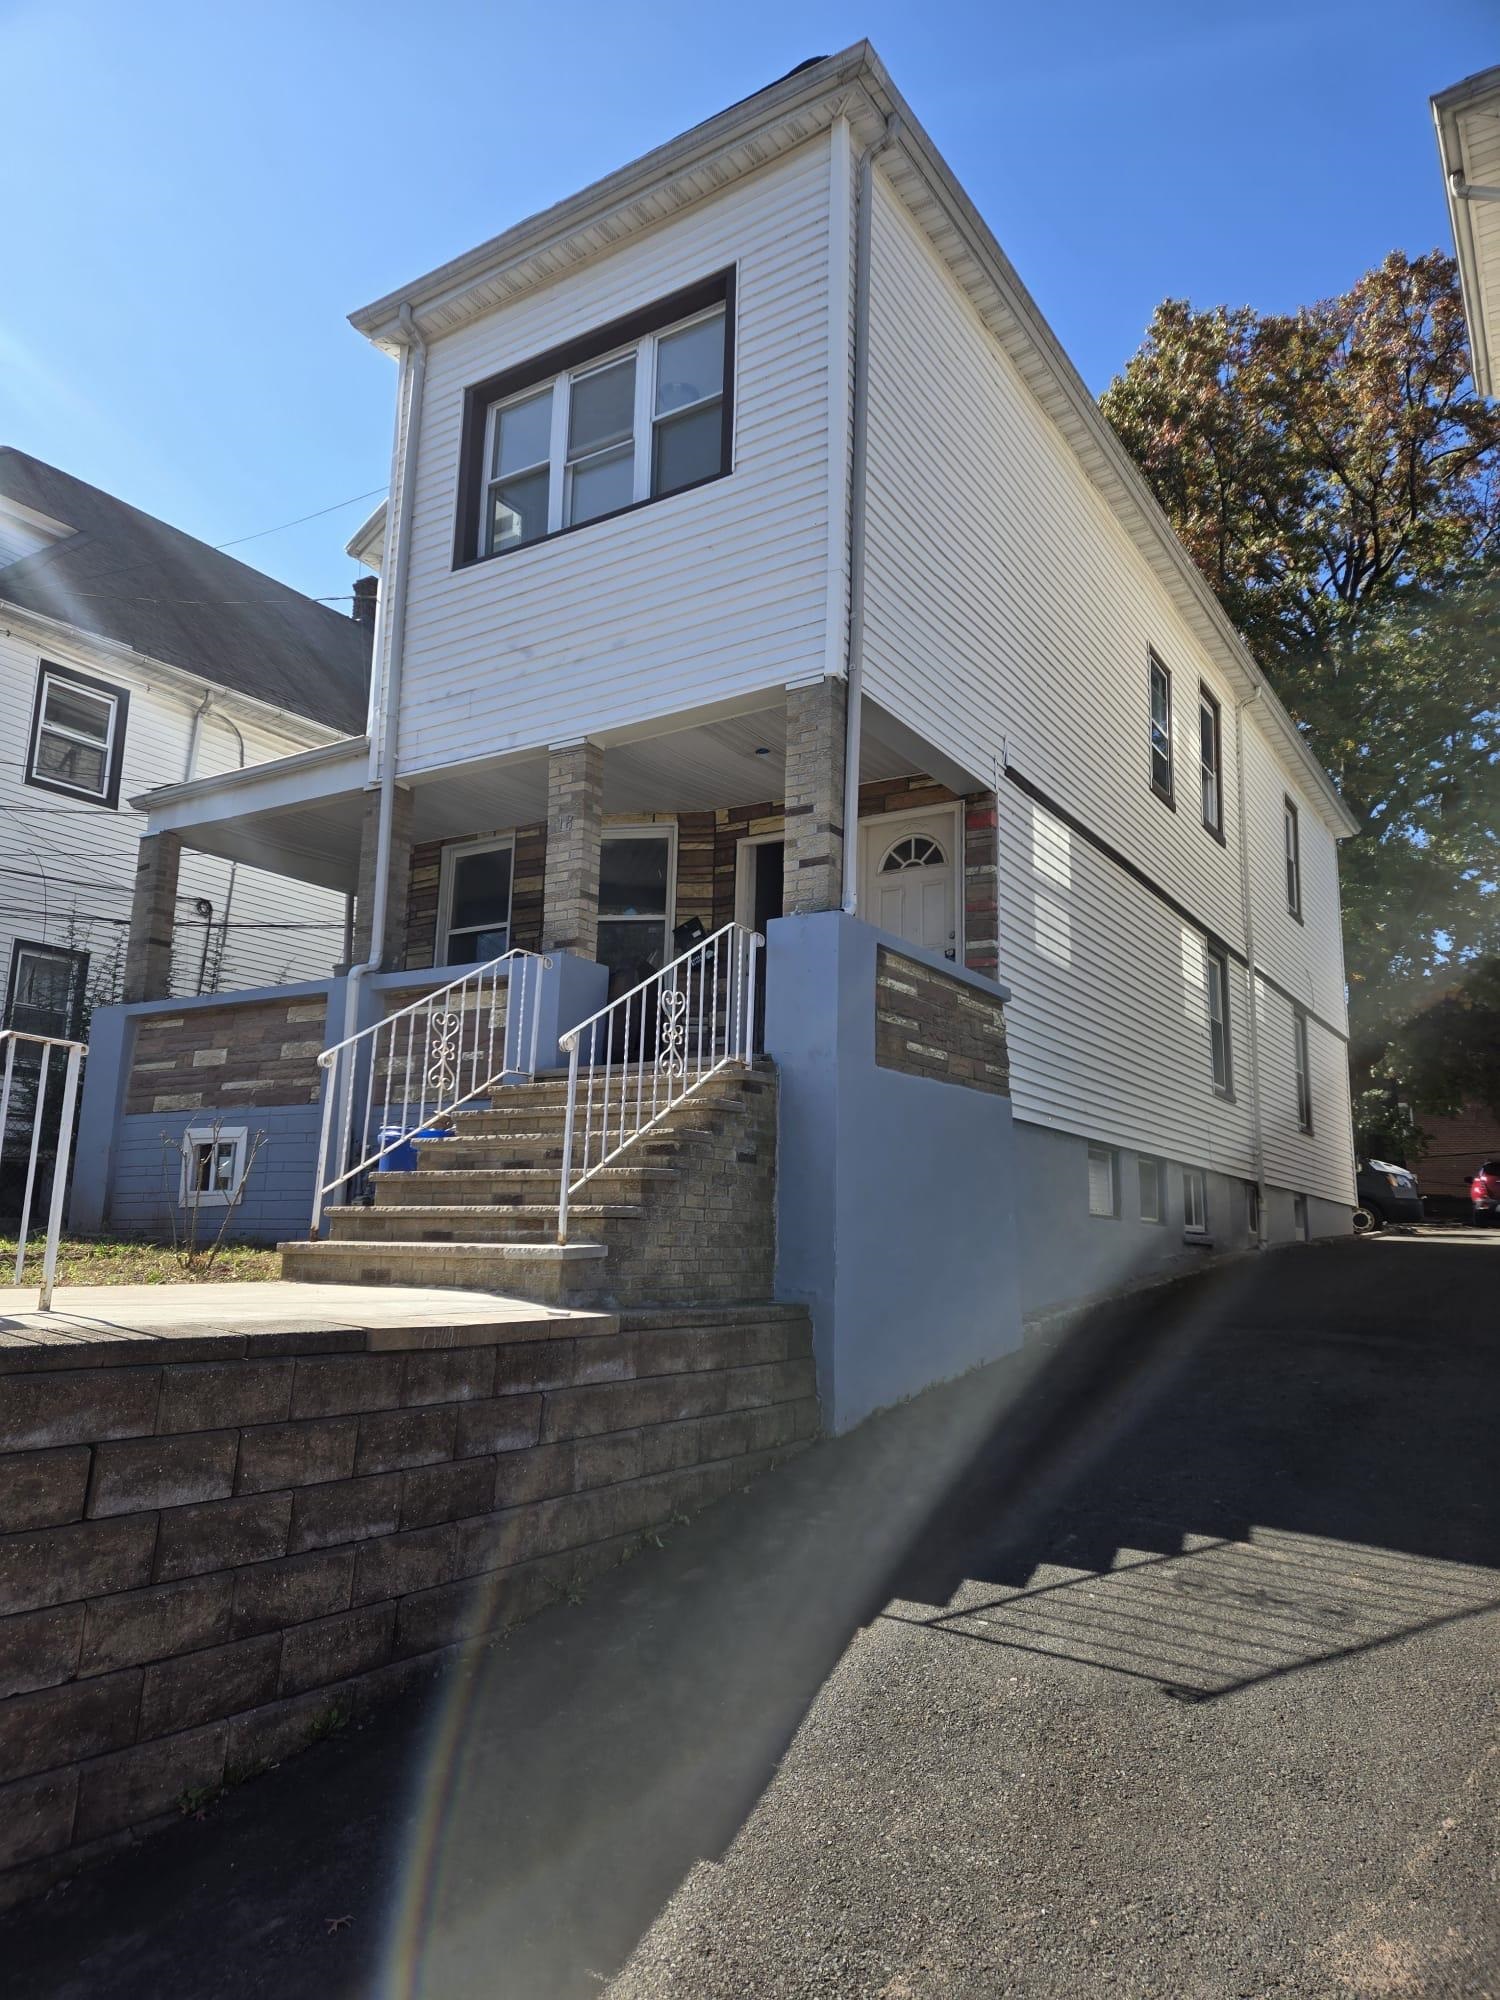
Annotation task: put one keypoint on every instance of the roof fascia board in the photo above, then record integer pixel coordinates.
(1446, 107)
(191, 686)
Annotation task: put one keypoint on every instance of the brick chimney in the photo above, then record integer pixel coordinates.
(366, 589)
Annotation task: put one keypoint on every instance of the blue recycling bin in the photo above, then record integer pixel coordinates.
(402, 1159)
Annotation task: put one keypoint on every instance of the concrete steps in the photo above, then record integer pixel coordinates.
(486, 1186)
(519, 1223)
(553, 1274)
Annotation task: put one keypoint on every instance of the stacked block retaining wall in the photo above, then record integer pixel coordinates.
(212, 1547)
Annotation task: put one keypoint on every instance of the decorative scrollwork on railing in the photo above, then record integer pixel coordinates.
(671, 1053)
(442, 1068)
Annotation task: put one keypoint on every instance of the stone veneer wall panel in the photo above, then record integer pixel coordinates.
(220, 1059)
(213, 1547)
(931, 1025)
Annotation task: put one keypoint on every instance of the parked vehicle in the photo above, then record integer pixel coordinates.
(1484, 1194)
(1387, 1193)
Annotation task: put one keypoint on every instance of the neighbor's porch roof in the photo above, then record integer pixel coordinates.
(301, 816)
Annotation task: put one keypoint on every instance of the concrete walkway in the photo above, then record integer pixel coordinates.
(1160, 1664)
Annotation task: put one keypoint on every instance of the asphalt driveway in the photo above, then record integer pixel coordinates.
(1162, 1662)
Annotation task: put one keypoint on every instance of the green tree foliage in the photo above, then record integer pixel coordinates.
(1337, 480)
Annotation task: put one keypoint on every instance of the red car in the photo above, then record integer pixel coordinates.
(1484, 1193)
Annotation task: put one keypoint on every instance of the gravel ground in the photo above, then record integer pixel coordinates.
(1162, 1661)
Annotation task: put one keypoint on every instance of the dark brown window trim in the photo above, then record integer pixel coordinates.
(1206, 695)
(1128, 867)
(1168, 793)
(109, 798)
(717, 290)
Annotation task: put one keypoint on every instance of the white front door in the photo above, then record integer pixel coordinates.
(910, 865)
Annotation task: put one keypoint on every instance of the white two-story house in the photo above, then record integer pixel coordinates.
(754, 552)
(133, 656)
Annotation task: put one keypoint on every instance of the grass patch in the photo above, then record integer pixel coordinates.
(106, 1260)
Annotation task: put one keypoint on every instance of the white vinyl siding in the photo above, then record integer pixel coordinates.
(67, 866)
(703, 595)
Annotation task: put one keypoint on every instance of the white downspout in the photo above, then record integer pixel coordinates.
(1257, 1139)
(854, 669)
(391, 646)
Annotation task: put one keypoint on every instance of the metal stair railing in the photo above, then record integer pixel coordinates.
(423, 1062)
(634, 1060)
(76, 1051)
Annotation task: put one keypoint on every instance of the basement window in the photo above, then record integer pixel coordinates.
(1103, 1181)
(635, 411)
(213, 1166)
(1195, 1201)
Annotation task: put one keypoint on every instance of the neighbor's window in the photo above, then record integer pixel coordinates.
(1252, 1210)
(77, 735)
(1102, 1178)
(1210, 762)
(1161, 730)
(1293, 843)
(1299, 1216)
(1216, 965)
(1303, 1070)
(635, 901)
(213, 1166)
(44, 995)
(1195, 1200)
(1150, 1189)
(633, 414)
(474, 902)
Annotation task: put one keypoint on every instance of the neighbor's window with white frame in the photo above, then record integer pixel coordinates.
(637, 424)
(1102, 1181)
(1150, 1174)
(213, 1166)
(77, 736)
(1195, 1201)
(474, 897)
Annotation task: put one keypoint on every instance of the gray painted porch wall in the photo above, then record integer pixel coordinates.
(895, 1218)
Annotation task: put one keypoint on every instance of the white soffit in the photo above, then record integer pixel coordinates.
(1467, 118)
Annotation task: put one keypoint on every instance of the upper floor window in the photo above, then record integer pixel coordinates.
(1293, 844)
(636, 411)
(1211, 762)
(77, 736)
(1161, 730)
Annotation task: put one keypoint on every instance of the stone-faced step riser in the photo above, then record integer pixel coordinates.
(504, 1188)
(572, 1283)
(477, 1225)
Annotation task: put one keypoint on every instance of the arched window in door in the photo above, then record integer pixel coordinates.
(917, 850)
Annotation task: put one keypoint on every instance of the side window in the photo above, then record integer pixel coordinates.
(1211, 762)
(1292, 841)
(1103, 1181)
(1303, 1071)
(77, 736)
(1195, 1201)
(1217, 975)
(1161, 730)
(1151, 1205)
(474, 902)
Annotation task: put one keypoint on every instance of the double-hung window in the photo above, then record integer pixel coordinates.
(1149, 1171)
(1292, 843)
(77, 736)
(634, 413)
(1161, 729)
(474, 902)
(1303, 1070)
(1216, 966)
(45, 992)
(1195, 1201)
(1211, 762)
(1104, 1198)
(636, 889)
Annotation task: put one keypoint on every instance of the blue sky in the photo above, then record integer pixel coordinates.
(200, 193)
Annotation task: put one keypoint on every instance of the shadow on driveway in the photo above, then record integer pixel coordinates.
(1182, 1458)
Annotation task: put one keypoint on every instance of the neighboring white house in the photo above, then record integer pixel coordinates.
(132, 656)
(762, 428)
(1467, 118)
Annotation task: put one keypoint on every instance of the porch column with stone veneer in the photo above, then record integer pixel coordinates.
(575, 823)
(813, 865)
(393, 942)
(982, 883)
(153, 914)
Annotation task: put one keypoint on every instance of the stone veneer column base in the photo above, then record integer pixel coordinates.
(575, 822)
(816, 718)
